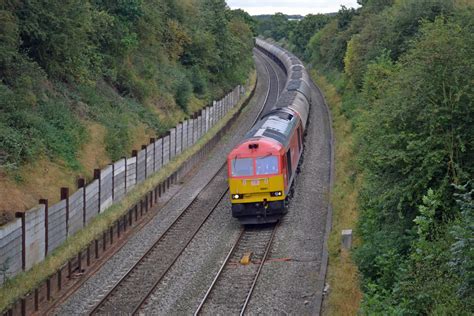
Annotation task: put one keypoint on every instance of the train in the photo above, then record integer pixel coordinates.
(263, 166)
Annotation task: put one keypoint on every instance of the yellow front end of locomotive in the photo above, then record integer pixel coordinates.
(258, 189)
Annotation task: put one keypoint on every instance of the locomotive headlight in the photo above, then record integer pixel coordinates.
(277, 193)
(235, 196)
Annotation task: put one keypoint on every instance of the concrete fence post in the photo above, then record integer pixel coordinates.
(65, 196)
(346, 241)
(46, 220)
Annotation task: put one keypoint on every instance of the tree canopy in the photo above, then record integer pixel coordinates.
(405, 71)
(155, 54)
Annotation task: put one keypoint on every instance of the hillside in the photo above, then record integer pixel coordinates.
(400, 76)
(85, 82)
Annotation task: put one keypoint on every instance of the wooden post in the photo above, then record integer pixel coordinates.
(96, 241)
(36, 299)
(60, 282)
(48, 289)
(23, 306)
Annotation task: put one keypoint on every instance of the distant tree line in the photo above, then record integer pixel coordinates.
(118, 63)
(405, 71)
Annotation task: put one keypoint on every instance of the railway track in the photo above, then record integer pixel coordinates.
(275, 86)
(233, 285)
(132, 291)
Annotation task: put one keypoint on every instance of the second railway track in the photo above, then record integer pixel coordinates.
(132, 291)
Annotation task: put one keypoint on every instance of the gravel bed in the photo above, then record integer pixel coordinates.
(230, 291)
(187, 282)
(129, 294)
(289, 282)
(96, 287)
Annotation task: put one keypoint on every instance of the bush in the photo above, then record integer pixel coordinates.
(183, 93)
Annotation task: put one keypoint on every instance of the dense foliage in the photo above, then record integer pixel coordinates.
(118, 63)
(405, 70)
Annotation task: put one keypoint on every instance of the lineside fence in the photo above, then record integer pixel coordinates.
(37, 232)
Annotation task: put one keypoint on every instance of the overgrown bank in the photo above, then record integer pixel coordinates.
(342, 274)
(20, 285)
(86, 82)
(404, 71)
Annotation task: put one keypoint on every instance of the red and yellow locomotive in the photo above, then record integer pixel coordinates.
(262, 168)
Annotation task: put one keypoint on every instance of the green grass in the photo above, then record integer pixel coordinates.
(26, 282)
(343, 279)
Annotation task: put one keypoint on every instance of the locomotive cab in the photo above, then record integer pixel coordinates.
(257, 181)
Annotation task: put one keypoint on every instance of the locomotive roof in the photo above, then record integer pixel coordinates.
(278, 125)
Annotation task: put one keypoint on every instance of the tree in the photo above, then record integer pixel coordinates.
(413, 135)
(305, 29)
(57, 37)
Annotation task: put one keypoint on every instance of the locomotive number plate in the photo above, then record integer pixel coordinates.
(255, 182)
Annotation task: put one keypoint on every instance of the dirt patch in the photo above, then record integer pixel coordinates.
(93, 154)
